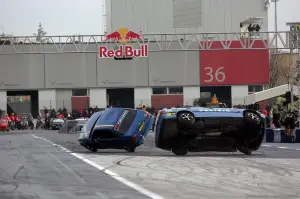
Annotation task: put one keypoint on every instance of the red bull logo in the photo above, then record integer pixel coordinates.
(123, 36)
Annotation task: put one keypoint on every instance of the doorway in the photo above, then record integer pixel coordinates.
(223, 93)
(23, 102)
(123, 97)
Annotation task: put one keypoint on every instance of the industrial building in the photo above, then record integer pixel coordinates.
(196, 49)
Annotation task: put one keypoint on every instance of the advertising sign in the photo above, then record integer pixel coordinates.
(123, 36)
(234, 67)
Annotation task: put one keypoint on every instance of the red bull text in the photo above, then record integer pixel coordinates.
(124, 51)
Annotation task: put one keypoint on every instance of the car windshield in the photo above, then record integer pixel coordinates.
(109, 116)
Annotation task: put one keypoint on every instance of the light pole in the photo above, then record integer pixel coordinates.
(276, 28)
(294, 44)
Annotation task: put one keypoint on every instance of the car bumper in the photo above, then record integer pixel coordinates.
(83, 139)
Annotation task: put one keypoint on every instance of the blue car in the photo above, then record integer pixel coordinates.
(197, 129)
(116, 128)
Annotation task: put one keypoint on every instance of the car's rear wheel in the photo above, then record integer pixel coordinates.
(186, 119)
(92, 149)
(245, 150)
(180, 151)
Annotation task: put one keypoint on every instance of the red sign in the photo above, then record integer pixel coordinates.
(234, 67)
(123, 51)
(123, 36)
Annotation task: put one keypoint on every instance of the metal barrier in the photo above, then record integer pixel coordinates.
(69, 127)
(277, 135)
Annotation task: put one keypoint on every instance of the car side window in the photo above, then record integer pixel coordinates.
(90, 123)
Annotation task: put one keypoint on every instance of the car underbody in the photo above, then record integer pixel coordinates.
(210, 134)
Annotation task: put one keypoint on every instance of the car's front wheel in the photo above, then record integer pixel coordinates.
(180, 151)
(186, 119)
(252, 118)
(130, 149)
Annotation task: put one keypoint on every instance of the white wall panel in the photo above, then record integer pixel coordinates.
(3, 101)
(238, 94)
(189, 94)
(64, 99)
(142, 96)
(98, 98)
(157, 16)
(47, 98)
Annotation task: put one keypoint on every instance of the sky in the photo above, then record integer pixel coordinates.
(287, 11)
(59, 17)
(68, 17)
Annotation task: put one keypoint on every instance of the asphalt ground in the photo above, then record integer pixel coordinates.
(46, 164)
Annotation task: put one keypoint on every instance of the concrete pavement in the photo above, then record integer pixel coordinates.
(271, 172)
(31, 168)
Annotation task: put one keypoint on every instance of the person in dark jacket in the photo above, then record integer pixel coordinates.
(47, 122)
(289, 124)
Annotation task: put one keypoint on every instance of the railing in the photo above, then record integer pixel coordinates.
(156, 42)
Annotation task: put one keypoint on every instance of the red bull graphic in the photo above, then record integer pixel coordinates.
(132, 35)
(123, 36)
(113, 36)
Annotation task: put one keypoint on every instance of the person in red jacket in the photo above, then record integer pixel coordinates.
(12, 117)
(60, 116)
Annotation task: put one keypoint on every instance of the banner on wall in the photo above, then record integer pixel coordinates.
(236, 66)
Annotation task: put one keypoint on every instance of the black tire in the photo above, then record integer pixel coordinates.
(186, 119)
(244, 150)
(180, 151)
(130, 149)
(252, 118)
(92, 149)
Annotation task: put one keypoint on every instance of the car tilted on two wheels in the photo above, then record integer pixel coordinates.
(116, 128)
(209, 129)
(180, 130)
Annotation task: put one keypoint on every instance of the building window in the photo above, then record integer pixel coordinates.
(175, 90)
(79, 92)
(255, 88)
(159, 91)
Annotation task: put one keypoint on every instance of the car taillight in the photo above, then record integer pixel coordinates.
(133, 138)
(161, 112)
(147, 115)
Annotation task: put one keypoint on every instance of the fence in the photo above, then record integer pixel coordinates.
(70, 126)
(277, 135)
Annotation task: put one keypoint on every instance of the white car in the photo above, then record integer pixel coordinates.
(56, 124)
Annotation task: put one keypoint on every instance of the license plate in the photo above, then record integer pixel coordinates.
(142, 126)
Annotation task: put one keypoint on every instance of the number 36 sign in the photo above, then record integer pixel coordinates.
(234, 67)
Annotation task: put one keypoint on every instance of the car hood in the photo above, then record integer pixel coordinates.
(58, 121)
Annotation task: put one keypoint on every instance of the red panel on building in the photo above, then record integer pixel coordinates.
(166, 100)
(80, 102)
(234, 67)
